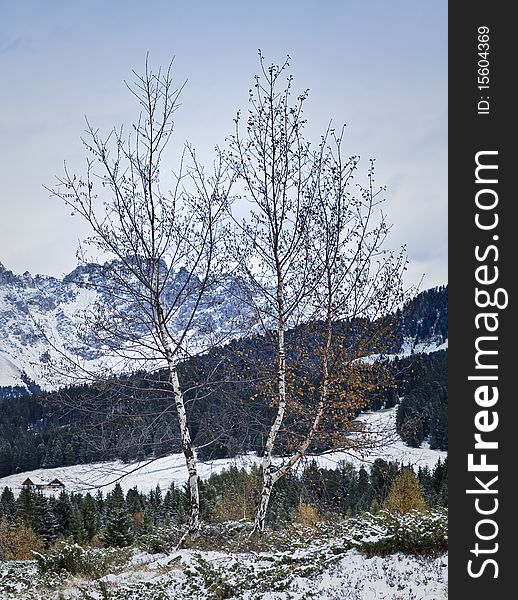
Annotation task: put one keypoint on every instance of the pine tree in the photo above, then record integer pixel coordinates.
(405, 494)
(7, 504)
(208, 499)
(69, 455)
(442, 497)
(6, 459)
(382, 476)
(363, 491)
(100, 504)
(117, 533)
(155, 506)
(40, 454)
(25, 506)
(49, 528)
(348, 488)
(56, 454)
(64, 513)
(171, 504)
(90, 517)
(175, 503)
(77, 527)
(117, 530)
(134, 501)
(29, 455)
(440, 477)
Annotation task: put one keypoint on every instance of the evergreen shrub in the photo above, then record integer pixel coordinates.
(76, 560)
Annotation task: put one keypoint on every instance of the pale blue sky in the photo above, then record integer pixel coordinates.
(378, 66)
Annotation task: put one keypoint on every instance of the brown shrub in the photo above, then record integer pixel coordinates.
(17, 541)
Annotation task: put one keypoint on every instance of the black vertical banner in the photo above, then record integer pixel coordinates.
(482, 272)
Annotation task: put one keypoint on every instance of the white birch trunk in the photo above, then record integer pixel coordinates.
(269, 476)
(190, 459)
(303, 448)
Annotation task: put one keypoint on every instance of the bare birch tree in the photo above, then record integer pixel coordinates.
(272, 248)
(312, 252)
(362, 285)
(162, 246)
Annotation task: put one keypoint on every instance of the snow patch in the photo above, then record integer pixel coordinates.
(10, 374)
(146, 475)
(408, 348)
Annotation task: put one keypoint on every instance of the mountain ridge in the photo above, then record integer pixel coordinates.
(41, 316)
(40, 312)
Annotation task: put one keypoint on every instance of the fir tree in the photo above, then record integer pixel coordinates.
(208, 499)
(100, 504)
(69, 455)
(382, 476)
(6, 459)
(427, 486)
(363, 491)
(348, 488)
(77, 528)
(117, 530)
(56, 454)
(155, 504)
(7, 504)
(49, 526)
(90, 517)
(117, 533)
(64, 513)
(134, 501)
(26, 506)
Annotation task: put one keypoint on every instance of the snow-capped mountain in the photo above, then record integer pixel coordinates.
(31, 309)
(41, 317)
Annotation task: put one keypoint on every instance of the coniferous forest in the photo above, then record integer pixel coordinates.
(116, 519)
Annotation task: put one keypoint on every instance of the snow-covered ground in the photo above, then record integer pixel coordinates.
(199, 575)
(409, 348)
(10, 374)
(353, 577)
(163, 471)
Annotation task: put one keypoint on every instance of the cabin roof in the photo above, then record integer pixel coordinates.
(30, 481)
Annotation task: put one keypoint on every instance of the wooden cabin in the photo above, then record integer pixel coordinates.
(56, 484)
(32, 484)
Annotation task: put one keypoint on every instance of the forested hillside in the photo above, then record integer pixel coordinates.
(426, 316)
(130, 418)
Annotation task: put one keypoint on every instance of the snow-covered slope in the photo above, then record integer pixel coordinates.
(10, 374)
(163, 471)
(36, 312)
(315, 569)
(41, 317)
(409, 348)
